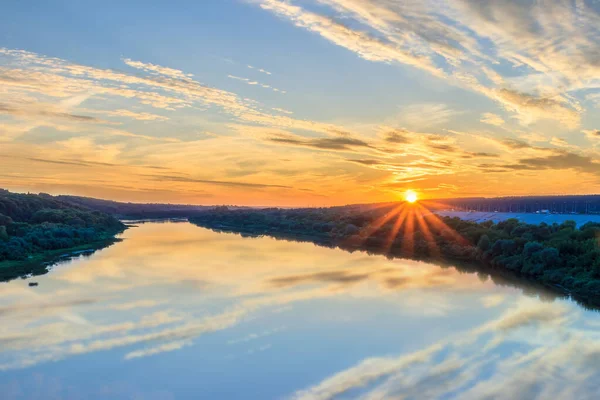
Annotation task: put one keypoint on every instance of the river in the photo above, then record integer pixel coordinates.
(175, 311)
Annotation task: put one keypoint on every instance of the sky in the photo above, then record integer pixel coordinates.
(300, 102)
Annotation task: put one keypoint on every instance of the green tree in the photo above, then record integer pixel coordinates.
(484, 243)
(3, 234)
(4, 220)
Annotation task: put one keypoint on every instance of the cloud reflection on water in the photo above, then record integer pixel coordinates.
(167, 285)
(533, 350)
(74, 310)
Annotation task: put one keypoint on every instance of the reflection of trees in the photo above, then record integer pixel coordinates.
(42, 266)
(548, 261)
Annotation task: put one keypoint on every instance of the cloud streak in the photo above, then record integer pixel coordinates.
(247, 185)
(256, 83)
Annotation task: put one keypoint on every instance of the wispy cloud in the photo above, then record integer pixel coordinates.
(282, 110)
(463, 42)
(41, 110)
(150, 351)
(400, 136)
(256, 83)
(559, 160)
(157, 69)
(451, 367)
(219, 183)
(534, 64)
(260, 70)
(333, 143)
(492, 119)
(592, 134)
(164, 88)
(140, 116)
(423, 116)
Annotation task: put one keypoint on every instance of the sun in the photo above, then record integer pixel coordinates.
(411, 196)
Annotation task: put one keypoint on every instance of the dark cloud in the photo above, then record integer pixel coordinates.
(484, 154)
(86, 163)
(444, 147)
(507, 167)
(7, 109)
(528, 100)
(396, 282)
(44, 307)
(516, 144)
(397, 136)
(288, 141)
(339, 132)
(545, 107)
(252, 163)
(81, 163)
(155, 167)
(366, 161)
(211, 182)
(286, 172)
(441, 164)
(237, 173)
(337, 143)
(559, 160)
(341, 143)
(104, 164)
(422, 164)
(343, 277)
(565, 161)
(478, 155)
(388, 277)
(494, 170)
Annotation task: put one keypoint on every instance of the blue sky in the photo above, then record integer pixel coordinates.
(369, 97)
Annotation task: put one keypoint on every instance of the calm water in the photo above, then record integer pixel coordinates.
(179, 312)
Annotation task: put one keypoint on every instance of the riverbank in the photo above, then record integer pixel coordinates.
(500, 276)
(39, 263)
(36, 229)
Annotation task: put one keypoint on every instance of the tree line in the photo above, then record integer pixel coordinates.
(31, 224)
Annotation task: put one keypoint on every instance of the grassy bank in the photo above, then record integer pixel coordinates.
(37, 228)
(38, 263)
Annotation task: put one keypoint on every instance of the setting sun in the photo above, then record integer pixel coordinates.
(411, 196)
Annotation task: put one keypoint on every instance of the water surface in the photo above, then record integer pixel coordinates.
(175, 311)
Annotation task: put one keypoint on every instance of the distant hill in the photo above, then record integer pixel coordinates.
(568, 204)
(22, 207)
(38, 208)
(134, 210)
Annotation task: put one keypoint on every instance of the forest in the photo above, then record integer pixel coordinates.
(562, 256)
(33, 224)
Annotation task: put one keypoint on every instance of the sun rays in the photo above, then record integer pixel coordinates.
(404, 226)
